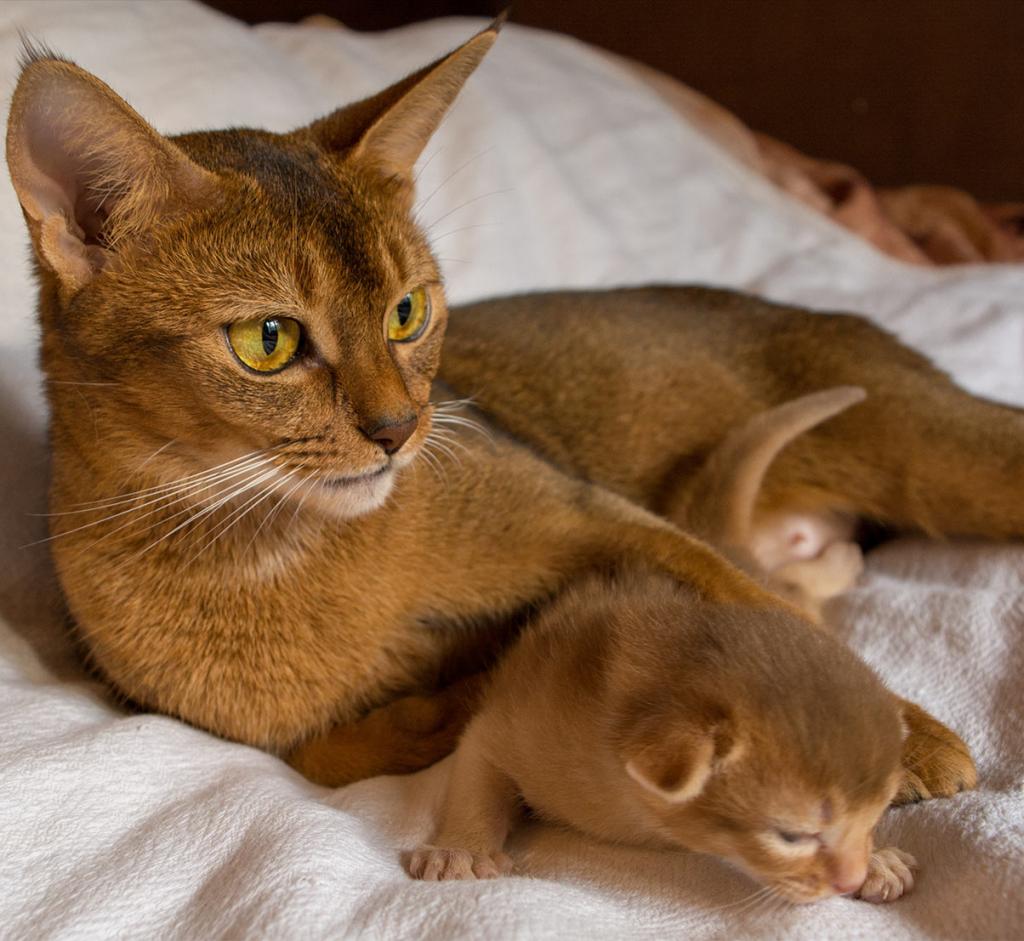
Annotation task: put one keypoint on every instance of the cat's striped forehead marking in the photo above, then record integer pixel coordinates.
(309, 205)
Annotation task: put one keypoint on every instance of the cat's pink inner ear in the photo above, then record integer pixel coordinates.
(413, 109)
(88, 171)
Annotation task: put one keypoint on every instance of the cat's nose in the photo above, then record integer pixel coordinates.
(391, 435)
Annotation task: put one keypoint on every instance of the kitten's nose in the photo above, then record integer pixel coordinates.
(391, 435)
(847, 887)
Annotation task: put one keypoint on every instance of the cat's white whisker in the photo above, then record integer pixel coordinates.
(173, 497)
(468, 202)
(238, 514)
(450, 438)
(469, 426)
(433, 463)
(751, 901)
(746, 898)
(463, 228)
(447, 418)
(423, 166)
(311, 486)
(441, 446)
(450, 419)
(276, 509)
(420, 206)
(768, 903)
(449, 405)
(160, 450)
(200, 476)
(167, 493)
(223, 487)
(233, 494)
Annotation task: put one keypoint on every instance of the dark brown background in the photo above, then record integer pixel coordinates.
(908, 91)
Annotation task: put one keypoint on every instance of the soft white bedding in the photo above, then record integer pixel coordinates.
(558, 167)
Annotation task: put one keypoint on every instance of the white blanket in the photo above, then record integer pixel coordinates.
(556, 167)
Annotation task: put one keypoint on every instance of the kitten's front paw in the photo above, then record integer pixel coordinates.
(438, 864)
(890, 876)
(936, 762)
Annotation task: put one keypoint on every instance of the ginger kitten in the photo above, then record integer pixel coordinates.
(638, 714)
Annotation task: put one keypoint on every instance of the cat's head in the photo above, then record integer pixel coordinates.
(236, 292)
(778, 753)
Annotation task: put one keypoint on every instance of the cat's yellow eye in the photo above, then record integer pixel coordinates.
(409, 317)
(266, 345)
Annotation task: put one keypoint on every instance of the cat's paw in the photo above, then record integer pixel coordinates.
(890, 876)
(401, 737)
(439, 864)
(936, 762)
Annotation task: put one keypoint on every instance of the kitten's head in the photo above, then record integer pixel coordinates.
(777, 749)
(236, 292)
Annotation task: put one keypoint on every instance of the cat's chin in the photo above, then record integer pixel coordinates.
(348, 497)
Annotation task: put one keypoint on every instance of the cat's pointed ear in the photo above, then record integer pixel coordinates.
(675, 759)
(90, 174)
(390, 130)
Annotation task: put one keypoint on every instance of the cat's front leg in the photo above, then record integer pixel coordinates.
(936, 762)
(623, 532)
(890, 876)
(406, 735)
(478, 808)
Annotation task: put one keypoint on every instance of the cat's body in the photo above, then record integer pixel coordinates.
(649, 380)
(642, 716)
(267, 637)
(240, 332)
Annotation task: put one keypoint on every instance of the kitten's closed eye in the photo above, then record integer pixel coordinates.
(789, 836)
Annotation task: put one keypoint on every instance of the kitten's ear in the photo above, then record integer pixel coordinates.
(89, 172)
(390, 130)
(675, 759)
(675, 768)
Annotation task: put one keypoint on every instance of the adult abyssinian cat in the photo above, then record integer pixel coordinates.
(243, 322)
(240, 331)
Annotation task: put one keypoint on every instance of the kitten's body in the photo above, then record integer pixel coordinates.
(642, 716)
(266, 628)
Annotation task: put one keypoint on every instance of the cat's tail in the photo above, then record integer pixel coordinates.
(721, 498)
